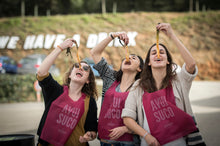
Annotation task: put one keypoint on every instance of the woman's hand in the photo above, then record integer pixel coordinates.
(67, 43)
(186, 55)
(122, 36)
(117, 132)
(152, 141)
(166, 29)
(88, 136)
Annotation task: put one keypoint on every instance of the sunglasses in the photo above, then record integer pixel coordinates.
(85, 67)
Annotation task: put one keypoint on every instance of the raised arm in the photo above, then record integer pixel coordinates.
(50, 59)
(186, 55)
(96, 52)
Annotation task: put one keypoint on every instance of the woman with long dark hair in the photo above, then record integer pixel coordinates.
(70, 116)
(116, 86)
(159, 101)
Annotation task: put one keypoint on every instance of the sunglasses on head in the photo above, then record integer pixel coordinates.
(84, 67)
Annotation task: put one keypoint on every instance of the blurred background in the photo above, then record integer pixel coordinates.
(13, 8)
(30, 29)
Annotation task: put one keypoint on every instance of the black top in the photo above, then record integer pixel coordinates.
(106, 74)
(51, 90)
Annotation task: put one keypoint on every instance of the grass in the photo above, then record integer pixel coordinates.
(200, 31)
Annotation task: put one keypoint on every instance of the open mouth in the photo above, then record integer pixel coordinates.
(79, 74)
(127, 62)
(158, 59)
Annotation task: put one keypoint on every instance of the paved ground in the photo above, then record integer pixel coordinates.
(23, 118)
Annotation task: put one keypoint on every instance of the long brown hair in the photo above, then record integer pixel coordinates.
(90, 88)
(147, 81)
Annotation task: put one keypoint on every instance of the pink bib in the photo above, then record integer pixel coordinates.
(63, 116)
(110, 115)
(166, 121)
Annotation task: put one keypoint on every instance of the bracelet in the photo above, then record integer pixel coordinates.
(112, 36)
(145, 134)
(58, 46)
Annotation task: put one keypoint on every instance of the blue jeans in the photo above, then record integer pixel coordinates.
(115, 144)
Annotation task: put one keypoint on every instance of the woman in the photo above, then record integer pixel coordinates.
(116, 86)
(160, 99)
(70, 116)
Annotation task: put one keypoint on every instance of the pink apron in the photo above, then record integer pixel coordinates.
(62, 118)
(110, 115)
(166, 121)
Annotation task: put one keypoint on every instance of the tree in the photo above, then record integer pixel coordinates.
(197, 5)
(103, 7)
(22, 8)
(114, 8)
(91, 6)
(190, 5)
(36, 8)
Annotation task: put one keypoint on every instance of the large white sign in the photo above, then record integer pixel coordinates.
(51, 40)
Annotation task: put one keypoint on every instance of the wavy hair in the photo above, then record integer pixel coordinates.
(90, 88)
(147, 81)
